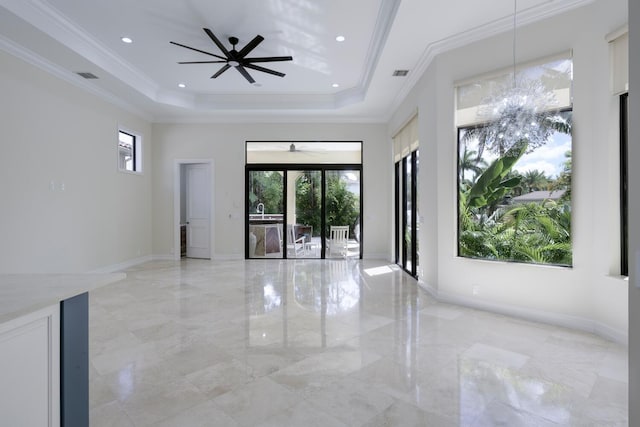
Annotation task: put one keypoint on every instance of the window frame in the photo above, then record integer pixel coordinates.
(401, 185)
(136, 152)
(624, 177)
(459, 130)
(287, 167)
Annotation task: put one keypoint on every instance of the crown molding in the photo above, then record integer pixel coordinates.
(482, 32)
(37, 61)
(270, 117)
(266, 107)
(49, 20)
(384, 23)
(238, 115)
(56, 25)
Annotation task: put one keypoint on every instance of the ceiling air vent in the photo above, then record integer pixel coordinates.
(86, 75)
(400, 73)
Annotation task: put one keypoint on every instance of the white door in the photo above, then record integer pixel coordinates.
(198, 190)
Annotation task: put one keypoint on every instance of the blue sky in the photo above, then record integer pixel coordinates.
(548, 158)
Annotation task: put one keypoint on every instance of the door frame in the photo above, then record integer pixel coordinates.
(177, 194)
(401, 202)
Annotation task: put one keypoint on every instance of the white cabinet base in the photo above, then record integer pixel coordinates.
(30, 369)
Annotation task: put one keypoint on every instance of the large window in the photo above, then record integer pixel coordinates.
(514, 166)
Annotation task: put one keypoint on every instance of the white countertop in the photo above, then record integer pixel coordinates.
(21, 294)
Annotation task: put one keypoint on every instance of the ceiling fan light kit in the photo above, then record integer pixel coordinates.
(235, 58)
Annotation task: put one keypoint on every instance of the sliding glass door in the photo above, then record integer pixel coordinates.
(342, 213)
(303, 213)
(303, 199)
(265, 216)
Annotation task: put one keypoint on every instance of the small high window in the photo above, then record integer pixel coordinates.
(129, 152)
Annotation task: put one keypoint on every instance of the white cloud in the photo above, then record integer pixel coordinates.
(549, 158)
(549, 169)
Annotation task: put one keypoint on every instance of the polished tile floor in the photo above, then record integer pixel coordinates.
(332, 343)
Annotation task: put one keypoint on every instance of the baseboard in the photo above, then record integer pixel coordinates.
(377, 256)
(216, 257)
(122, 265)
(164, 257)
(610, 333)
(431, 290)
(228, 257)
(567, 321)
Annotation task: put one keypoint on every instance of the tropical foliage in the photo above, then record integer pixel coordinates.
(266, 187)
(491, 226)
(341, 205)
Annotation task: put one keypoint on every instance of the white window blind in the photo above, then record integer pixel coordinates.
(406, 140)
(554, 73)
(619, 60)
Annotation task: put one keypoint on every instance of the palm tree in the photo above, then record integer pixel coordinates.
(535, 180)
(489, 227)
(470, 161)
(540, 233)
(564, 178)
(486, 136)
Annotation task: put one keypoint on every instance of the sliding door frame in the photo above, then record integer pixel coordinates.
(402, 203)
(287, 167)
(624, 177)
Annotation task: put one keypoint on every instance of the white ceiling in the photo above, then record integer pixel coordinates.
(68, 36)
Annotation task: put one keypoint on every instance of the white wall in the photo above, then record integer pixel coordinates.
(634, 213)
(225, 144)
(590, 295)
(55, 132)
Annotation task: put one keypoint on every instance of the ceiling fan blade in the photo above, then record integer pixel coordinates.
(264, 70)
(217, 42)
(198, 50)
(220, 71)
(245, 74)
(269, 59)
(250, 46)
(202, 62)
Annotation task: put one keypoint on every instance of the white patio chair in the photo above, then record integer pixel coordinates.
(338, 239)
(295, 247)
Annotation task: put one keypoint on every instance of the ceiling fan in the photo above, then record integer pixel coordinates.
(309, 150)
(235, 58)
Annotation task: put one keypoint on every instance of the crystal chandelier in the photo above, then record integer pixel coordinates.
(517, 113)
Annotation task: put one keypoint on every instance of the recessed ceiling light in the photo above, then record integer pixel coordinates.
(340, 38)
(182, 85)
(335, 85)
(126, 40)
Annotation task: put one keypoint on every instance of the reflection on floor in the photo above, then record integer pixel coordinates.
(311, 249)
(332, 343)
